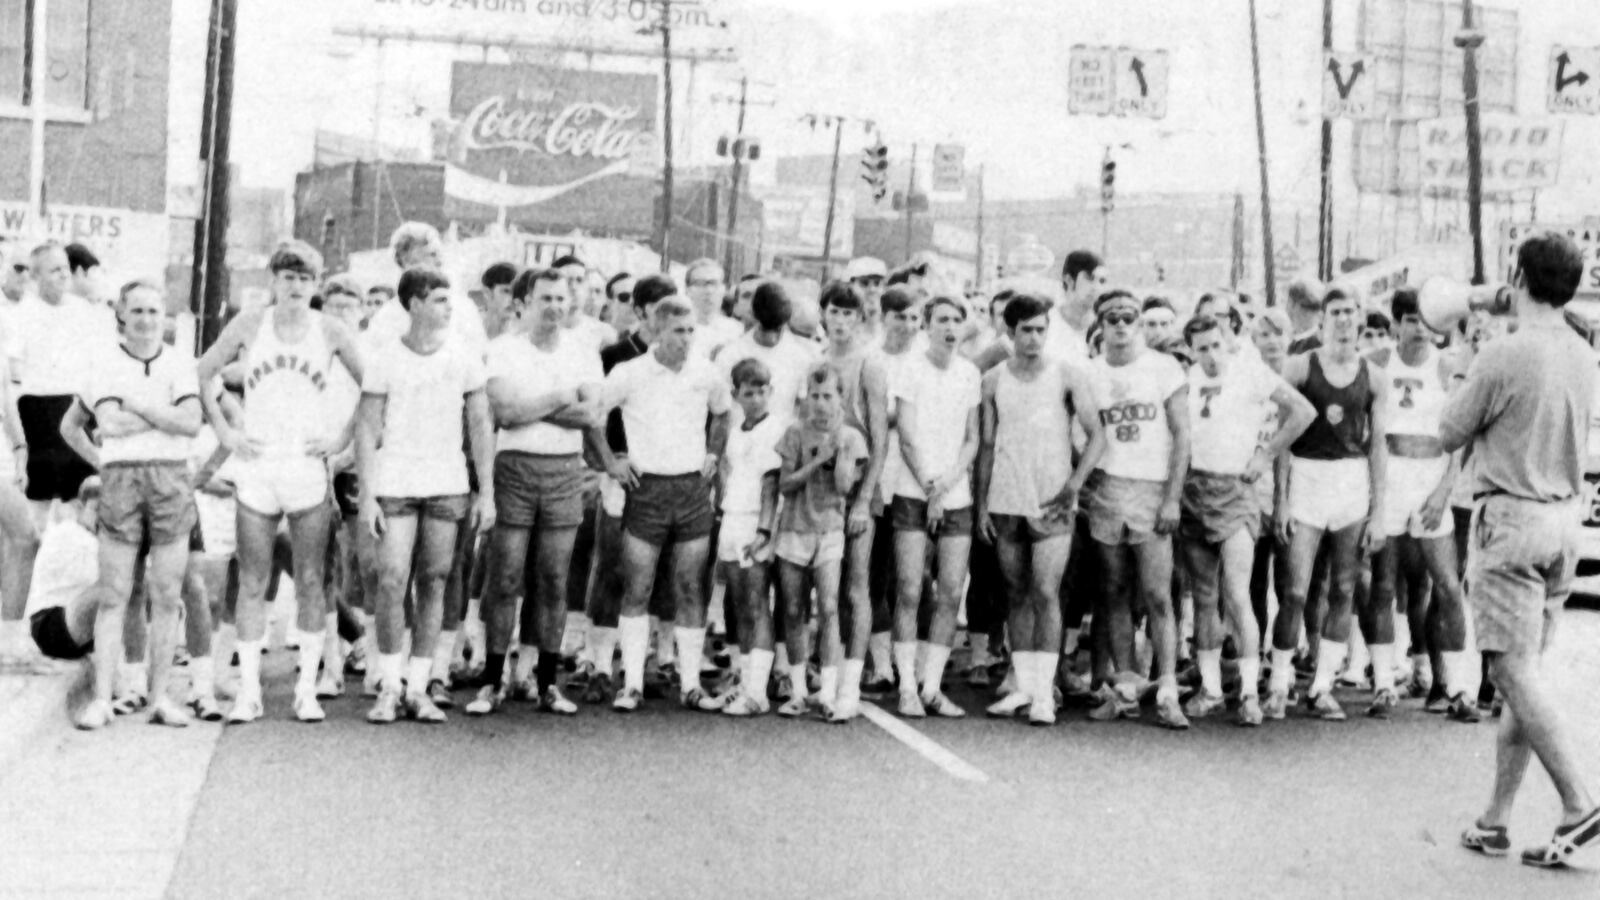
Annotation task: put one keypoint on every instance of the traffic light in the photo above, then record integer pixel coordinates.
(1108, 183)
(875, 169)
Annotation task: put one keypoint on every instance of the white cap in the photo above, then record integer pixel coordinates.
(865, 267)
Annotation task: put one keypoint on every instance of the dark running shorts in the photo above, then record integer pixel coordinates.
(910, 514)
(346, 493)
(51, 636)
(54, 470)
(1215, 507)
(667, 508)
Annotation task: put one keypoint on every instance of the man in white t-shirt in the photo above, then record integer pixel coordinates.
(415, 394)
(786, 356)
(1133, 499)
(418, 245)
(1230, 396)
(592, 333)
(666, 397)
(543, 384)
(145, 401)
(937, 420)
(712, 329)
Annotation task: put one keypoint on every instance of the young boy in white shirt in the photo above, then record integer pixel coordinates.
(744, 544)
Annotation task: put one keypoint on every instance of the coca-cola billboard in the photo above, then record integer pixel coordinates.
(539, 144)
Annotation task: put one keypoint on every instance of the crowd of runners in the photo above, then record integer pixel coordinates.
(755, 496)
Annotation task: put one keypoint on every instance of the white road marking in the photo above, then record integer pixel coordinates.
(952, 764)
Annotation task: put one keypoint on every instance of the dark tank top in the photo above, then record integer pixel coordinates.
(1342, 428)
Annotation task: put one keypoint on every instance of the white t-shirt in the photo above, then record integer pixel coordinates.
(466, 322)
(1133, 410)
(166, 379)
(709, 336)
(419, 453)
(788, 361)
(1226, 414)
(942, 398)
(894, 365)
(570, 364)
(1065, 343)
(751, 455)
(60, 344)
(664, 412)
(67, 565)
(592, 333)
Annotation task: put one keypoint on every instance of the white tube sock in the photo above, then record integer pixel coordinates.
(202, 676)
(634, 634)
(250, 668)
(603, 649)
(828, 688)
(1210, 662)
(1282, 671)
(1249, 675)
(391, 671)
(878, 650)
(691, 647)
(760, 673)
(933, 669)
(797, 679)
(905, 663)
(1382, 666)
(417, 671)
(527, 658)
(1330, 654)
(850, 680)
(1455, 671)
(310, 657)
(444, 650)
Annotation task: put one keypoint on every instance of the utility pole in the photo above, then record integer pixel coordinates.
(911, 189)
(664, 227)
(208, 287)
(1325, 210)
(377, 145)
(977, 281)
(833, 196)
(1261, 145)
(738, 170)
(1469, 39)
(38, 77)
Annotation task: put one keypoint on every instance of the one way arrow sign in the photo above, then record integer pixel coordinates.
(1348, 88)
(1574, 82)
(1140, 83)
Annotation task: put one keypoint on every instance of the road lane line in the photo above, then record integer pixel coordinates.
(952, 764)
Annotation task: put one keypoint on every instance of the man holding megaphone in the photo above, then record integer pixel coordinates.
(1524, 411)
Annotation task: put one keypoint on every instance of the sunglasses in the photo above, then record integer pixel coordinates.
(1124, 318)
(19, 268)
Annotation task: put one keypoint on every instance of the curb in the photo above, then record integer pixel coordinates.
(32, 707)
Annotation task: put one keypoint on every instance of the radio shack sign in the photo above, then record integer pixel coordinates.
(526, 135)
(1519, 153)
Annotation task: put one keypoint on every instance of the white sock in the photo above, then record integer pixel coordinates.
(391, 671)
(691, 646)
(828, 689)
(1282, 671)
(369, 635)
(760, 662)
(1249, 675)
(878, 650)
(444, 650)
(797, 679)
(1045, 664)
(1210, 670)
(417, 670)
(1329, 655)
(527, 658)
(1382, 666)
(134, 677)
(250, 667)
(922, 656)
(1024, 672)
(1455, 671)
(310, 657)
(1420, 663)
(850, 680)
(905, 662)
(202, 676)
(634, 633)
(603, 648)
(933, 669)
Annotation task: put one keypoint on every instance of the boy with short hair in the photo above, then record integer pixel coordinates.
(744, 544)
(822, 460)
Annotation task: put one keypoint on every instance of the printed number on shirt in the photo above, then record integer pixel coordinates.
(1126, 418)
(1407, 388)
(1206, 393)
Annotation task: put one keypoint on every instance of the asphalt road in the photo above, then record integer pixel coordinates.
(667, 803)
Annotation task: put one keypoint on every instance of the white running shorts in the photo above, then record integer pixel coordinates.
(1330, 494)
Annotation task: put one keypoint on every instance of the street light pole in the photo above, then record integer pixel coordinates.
(1270, 282)
(1325, 211)
(738, 169)
(1469, 40)
(664, 227)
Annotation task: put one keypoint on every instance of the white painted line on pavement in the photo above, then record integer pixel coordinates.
(930, 750)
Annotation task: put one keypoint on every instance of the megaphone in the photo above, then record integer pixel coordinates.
(1445, 303)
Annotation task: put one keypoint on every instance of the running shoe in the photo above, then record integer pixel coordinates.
(129, 702)
(877, 688)
(696, 698)
(1012, 704)
(743, 704)
(1041, 714)
(1250, 714)
(439, 693)
(1277, 705)
(911, 707)
(1438, 701)
(1421, 683)
(307, 709)
(1008, 684)
(419, 708)
(1169, 714)
(371, 685)
(579, 679)
(1073, 685)
(1568, 839)
(598, 689)
(1383, 704)
(488, 699)
(245, 709)
(1488, 841)
(205, 708)
(386, 710)
(96, 715)
(329, 685)
(1324, 707)
(553, 701)
(943, 707)
(1114, 704)
(842, 712)
(793, 708)
(782, 690)
(1203, 704)
(166, 712)
(627, 700)
(525, 690)
(355, 662)
(1463, 710)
